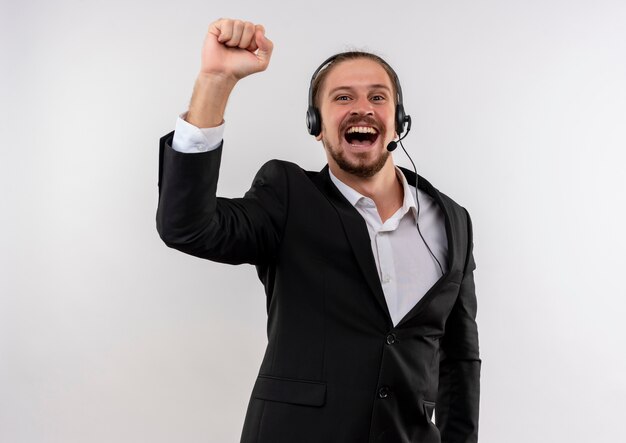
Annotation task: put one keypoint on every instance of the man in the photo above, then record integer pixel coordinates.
(371, 322)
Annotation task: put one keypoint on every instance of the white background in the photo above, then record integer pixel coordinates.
(106, 335)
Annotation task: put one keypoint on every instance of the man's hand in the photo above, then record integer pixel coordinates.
(233, 49)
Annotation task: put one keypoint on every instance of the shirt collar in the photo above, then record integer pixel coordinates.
(355, 197)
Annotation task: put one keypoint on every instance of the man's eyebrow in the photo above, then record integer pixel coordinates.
(350, 88)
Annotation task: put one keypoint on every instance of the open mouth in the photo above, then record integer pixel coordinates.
(361, 135)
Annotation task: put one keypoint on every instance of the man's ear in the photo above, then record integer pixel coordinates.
(319, 136)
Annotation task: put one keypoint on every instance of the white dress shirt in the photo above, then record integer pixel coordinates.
(405, 267)
(190, 139)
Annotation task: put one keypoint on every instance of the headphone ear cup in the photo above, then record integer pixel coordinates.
(313, 121)
(400, 119)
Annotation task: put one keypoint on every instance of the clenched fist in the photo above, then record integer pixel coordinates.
(235, 48)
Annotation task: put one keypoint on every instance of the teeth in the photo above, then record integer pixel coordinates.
(362, 130)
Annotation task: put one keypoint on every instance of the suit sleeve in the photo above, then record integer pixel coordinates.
(191, 218)
(459, 370)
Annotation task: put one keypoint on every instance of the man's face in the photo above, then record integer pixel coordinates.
(357, 108)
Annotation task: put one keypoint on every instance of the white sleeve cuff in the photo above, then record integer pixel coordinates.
(190, 139)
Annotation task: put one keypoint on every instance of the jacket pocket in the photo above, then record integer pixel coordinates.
(288, 390)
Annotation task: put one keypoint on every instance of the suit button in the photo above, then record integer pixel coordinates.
(384, 392)
(391, 339)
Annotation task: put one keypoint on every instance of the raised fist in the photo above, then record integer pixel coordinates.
(235, 48)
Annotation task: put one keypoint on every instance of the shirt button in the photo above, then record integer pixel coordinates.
(391, 339)
(383, 392)
(386, 278)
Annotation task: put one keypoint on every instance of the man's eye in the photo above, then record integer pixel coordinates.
(378, 97)
(342, 98)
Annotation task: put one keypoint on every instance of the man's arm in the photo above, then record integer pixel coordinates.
(190, 217)
(459, 369)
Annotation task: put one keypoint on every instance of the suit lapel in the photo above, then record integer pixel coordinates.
(424, 185)
(358, 237)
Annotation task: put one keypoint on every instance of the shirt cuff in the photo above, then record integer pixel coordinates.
(190, 139)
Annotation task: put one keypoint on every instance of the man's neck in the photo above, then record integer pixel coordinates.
(384, 188)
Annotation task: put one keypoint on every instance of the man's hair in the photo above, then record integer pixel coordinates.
(318, 82)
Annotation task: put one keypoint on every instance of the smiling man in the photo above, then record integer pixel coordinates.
(357, 97)
(367, 269)
(358, 104)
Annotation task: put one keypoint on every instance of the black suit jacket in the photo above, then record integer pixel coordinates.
(335, 369)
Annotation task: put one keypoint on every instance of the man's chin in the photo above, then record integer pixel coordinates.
(361, 165)
(360, 161)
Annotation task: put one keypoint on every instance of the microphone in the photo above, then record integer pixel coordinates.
(394, 144)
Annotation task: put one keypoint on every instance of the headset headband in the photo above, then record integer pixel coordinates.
(313, 116)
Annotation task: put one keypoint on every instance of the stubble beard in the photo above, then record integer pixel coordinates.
(360, 167)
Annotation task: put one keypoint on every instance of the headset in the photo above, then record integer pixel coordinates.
(314, 118)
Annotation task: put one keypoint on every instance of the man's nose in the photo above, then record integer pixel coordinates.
(362, 106)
